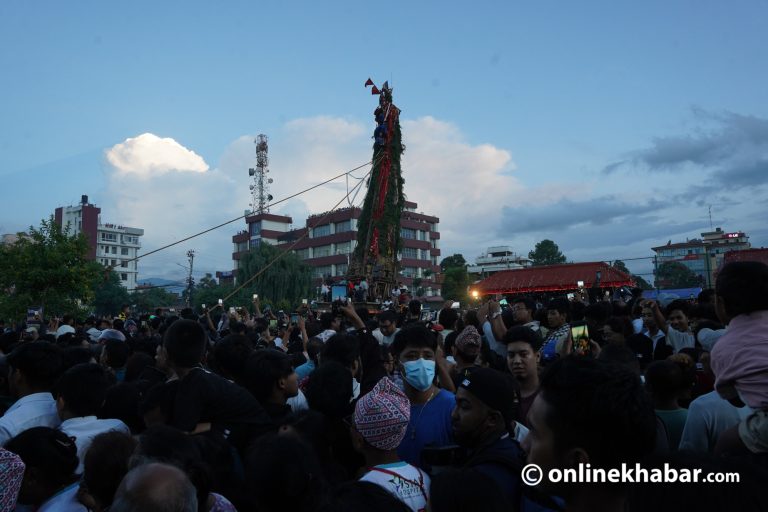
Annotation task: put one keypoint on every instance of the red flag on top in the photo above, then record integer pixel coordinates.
(368, 82)
(375, 90)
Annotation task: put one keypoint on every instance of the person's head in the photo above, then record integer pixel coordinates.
(330, 320)
(522, 310)
(184, 344)
(104, 466)
(621, 354)
(172, 446)
(284, 474)
(111, 334)
(557, 312)
(231, 354)
(155, 486)
(468, 344)
(447, 317)
(31, 334)
(270, 377)
(588, 411)
(523, 352)
(706, 297)
(34, 368)
(387, 360)
(414, 349)
(115, 354)
(344, 349)
(50, 457)
(617, 329)
(81, 390)
(486, 404)
(329, 390)
(649, 319)
(157, 403)
(471, 318)
(361, 495)
(381, 418)
(677, 315)
(464, 490)
(387, 322)
(741, 288)
(414, 308)
(72, 356)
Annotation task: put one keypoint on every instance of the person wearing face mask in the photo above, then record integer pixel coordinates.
(415, 351)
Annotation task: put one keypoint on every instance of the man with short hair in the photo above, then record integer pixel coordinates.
(379, 425)
(331, 324)
(415, 353)
(271, 379)
(677, 333)
(387, 330)
(204, 400)
(80, 393)
(651, 330)
(35, 367)
(523, 354)
(589, 411)
(558, 311)
(486, 406)
(155, 486)
(67, 326)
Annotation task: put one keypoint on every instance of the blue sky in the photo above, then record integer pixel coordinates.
(512, 112)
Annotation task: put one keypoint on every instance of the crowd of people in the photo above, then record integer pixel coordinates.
(345, 410)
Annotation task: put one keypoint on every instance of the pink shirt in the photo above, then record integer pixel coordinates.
(740, 360)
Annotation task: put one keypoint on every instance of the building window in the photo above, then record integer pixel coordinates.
(256, 228)
(422, 235)
(323, 271)
(323, 230)
(408, 233)
(114, 250)
(343, 226)
(124, 263)
(302, 253)
(410, 271)
(321, 251)
(410, 252)
(123, 277)
(344, 248)
(113, 263)
(341, 269)
(124, 251)
(255, 243)
(109, 237)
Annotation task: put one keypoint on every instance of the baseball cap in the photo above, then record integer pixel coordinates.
(495, 389)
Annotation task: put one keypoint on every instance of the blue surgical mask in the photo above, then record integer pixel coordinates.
(419, 373)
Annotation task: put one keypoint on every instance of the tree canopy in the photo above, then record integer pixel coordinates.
(454, 261)
(48, 268)
(673, 274)
(546, 252)
(287, 281)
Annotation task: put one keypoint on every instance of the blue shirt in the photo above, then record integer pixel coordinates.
(430, 424)
(305, 369)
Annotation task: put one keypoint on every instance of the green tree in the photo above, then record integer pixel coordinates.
(289, 279)
(48, 268)
(109, 295)
(620, 265)
(673, 274)
(546, 252)
(147, 300)
(456, 260)
(642, 283)
(455, 284)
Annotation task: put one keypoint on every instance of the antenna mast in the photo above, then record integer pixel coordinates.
(711, 226)
(260, 196)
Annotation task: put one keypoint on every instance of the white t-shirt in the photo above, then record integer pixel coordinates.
(85, 428)
(679, 340)
(407, 483)
(384, 340)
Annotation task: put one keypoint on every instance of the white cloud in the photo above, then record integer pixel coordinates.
(149, 155)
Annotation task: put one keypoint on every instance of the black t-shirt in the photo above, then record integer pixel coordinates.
(204, 397)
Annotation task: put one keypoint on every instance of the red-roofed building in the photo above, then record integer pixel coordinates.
(553, 278)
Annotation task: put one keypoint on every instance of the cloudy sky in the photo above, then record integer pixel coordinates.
(608, 128)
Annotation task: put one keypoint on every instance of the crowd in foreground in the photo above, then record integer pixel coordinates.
(342, 411)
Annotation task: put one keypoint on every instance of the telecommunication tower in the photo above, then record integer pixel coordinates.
(260, 196)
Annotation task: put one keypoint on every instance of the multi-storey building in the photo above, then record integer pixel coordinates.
(327, 240)
(703, 256)
(112, 245)
(497, 259)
